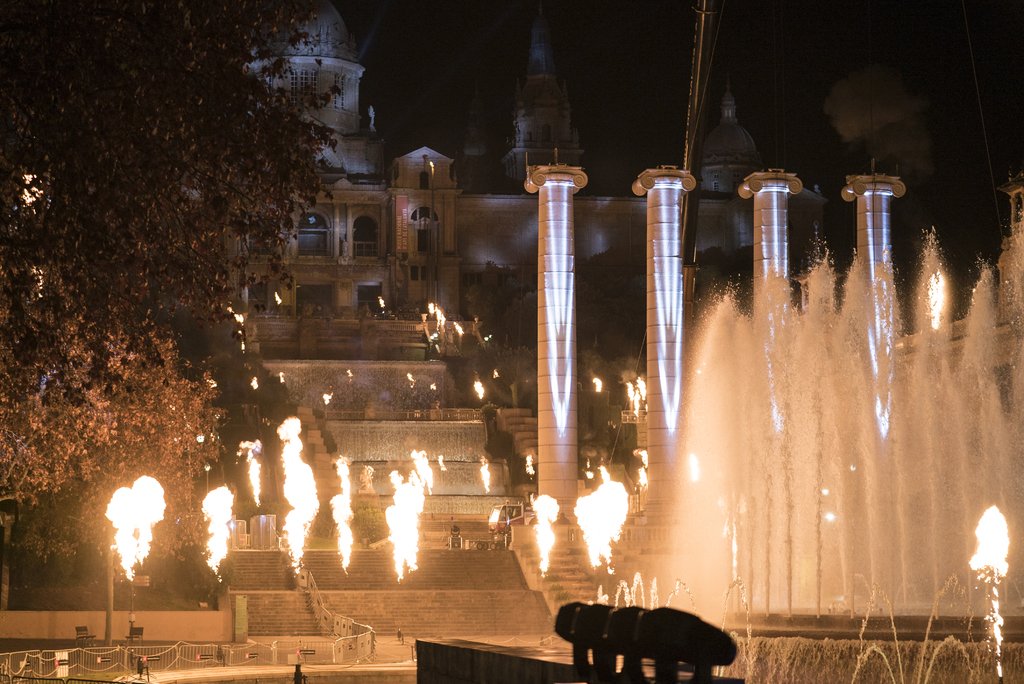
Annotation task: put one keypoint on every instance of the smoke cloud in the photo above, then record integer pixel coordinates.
(871, 108)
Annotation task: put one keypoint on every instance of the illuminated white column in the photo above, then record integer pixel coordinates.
(664, 188)
(556, 330)
(770, 190)
(874, 194)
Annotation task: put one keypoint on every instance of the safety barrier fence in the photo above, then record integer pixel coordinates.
(108, 662)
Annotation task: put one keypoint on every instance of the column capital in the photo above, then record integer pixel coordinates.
(663, 175)
(537, 176)
(772, 179)
(878, 184)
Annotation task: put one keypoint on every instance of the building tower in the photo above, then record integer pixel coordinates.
(542, 117)
(473, 162)
(729, 155)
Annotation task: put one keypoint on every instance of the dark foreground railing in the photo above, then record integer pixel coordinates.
(109, 662)
(665, 635)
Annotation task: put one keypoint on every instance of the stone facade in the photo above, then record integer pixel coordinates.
(385, 239)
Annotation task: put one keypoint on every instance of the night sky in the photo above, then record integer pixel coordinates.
(627, 66)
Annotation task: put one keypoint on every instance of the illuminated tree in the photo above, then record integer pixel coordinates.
(140, 142)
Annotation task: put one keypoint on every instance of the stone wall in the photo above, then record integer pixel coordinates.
(159, 625)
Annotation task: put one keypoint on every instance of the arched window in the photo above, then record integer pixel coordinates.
(364, 237)
(424, 180)
(545, 133)
(338, 101)
(313, 231)
(421, 217)
(303, 85)
(423, 214)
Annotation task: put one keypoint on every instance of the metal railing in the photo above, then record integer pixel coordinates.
(629, 416)
(468, 414)
(114, 661)
(357, 636)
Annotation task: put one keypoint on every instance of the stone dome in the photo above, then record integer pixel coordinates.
(730, 142)
(327, 35)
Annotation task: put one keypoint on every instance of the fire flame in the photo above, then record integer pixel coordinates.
(255, 383)
(546, 509)
(380, 301)
(485, 475)
(133, 512)
(403, 518)
(280, 377)
(299, 490)
(341, 508)
(252, 451)
(495, 373)
(598, 384)
(530, 470)
(637, 395)
(601, 516)
(478, 387)
(458, 329)
(412, 380)
(277, 298)
(423, 469)
(217, 509)
(990, 563)
(936, 298)
(440, 463)
(327, 396)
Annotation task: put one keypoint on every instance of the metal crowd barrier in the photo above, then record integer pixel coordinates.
(113, 661)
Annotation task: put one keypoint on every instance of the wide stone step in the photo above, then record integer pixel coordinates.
(445, 613)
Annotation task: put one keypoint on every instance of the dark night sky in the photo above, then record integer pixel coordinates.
(627, 67)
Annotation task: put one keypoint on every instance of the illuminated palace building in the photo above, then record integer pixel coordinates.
(425, 227)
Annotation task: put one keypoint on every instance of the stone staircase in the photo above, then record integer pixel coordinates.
(279, 613)
(261, 571)
(315, 454)
(522, 425)
(452, 593)
(569, 576)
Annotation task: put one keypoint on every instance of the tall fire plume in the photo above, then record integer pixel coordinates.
(134, 511)
(217, 509)
(546, 509)
(601, 516)
(341, 508)
(299, 490)
(253, 451)
(403, 518)
(423, 469)
(990, 564)
(485, 475)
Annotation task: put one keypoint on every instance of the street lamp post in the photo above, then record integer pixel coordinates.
(435, 239)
